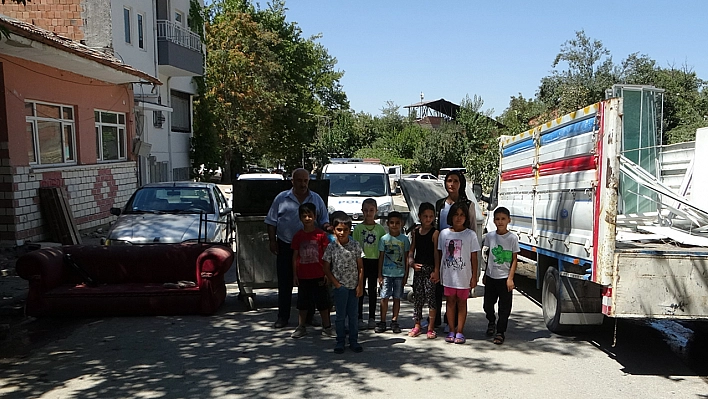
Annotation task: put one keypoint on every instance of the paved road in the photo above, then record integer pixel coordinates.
(236, 354)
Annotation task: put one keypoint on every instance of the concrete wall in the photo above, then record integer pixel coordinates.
(93, 188)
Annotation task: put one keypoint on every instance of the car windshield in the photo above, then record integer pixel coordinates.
(171, 200)
(360, 184)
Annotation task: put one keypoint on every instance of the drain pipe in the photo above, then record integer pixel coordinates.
(169, 130)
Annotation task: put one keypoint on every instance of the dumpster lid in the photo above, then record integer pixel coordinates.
(254, 197)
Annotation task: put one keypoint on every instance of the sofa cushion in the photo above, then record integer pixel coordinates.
(118, 290)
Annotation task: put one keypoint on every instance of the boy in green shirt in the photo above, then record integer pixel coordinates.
(368, 234)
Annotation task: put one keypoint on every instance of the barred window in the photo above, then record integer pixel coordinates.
(110, 136)
(181, 112)
(50, 133)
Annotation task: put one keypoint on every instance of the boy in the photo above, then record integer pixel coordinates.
(393, 269)
(308, 246)
(344, 268)
(498, 279)
(368, 235)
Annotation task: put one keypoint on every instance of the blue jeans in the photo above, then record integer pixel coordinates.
(347, 307)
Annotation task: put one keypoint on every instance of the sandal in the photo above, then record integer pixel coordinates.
(499, 339)
(432, 334)
(460, 338)
(450, 337)
(490, 329)
(415, 331)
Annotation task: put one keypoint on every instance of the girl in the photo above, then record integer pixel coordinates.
(457, 268)
(422, 258)
(455, 185)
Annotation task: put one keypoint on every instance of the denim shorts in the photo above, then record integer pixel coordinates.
(392, 286)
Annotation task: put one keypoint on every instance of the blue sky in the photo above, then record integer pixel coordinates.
(393, 50)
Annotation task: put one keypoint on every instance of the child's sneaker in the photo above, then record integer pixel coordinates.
(395, 327)
(299, 332)
(372, 324)
(356, 348)
(329, 331)
(380, 327)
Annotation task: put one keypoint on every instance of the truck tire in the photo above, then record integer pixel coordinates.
(551, 299)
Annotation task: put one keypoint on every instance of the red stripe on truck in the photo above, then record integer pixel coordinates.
(586, 162)
(518, 173)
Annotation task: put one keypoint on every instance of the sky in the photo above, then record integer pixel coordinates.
(392, 50)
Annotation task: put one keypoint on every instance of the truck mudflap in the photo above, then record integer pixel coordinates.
(658, 281)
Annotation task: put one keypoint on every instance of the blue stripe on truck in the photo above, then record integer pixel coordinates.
(572, 130)
(518, 147)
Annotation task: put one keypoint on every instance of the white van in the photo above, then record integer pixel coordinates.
(350, 183)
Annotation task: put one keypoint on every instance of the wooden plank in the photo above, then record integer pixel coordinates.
(58, 215)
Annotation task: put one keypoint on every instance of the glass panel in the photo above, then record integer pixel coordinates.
(126, 24)
(68, 113)
(49, 134)
(68, 142)
(108, 117)
(121, 119)
(30, 143)
(109, 136)
(48, 111)
(29, 109)
(121, 143)
(141, 44)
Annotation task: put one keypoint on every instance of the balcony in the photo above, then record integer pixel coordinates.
(179, 50)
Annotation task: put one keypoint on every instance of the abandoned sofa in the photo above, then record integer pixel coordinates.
(96, 280)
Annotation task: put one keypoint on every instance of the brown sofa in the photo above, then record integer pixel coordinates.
(126, 280)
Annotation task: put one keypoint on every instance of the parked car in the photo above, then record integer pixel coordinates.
(260, 176)
(421, 176)
(172, 212)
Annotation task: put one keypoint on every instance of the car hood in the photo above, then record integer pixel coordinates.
(151, 228)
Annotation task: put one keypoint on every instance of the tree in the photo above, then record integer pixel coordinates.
(589, 72)
(481, 156)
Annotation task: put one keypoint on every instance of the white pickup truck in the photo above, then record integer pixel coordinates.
(592, 210)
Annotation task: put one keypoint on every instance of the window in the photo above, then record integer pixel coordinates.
(50, 133)
(181, 112)
(110, 136)
(126, 24)
(141, 42)
(179, 18)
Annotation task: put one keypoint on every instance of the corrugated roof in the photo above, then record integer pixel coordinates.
(34, 33)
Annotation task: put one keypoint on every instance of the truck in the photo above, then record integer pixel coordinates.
(351, 181)
(394, 176)
(615, 223)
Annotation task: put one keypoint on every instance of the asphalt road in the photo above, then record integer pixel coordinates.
(236, 354)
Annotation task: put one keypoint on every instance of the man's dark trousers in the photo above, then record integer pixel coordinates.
(284, 263)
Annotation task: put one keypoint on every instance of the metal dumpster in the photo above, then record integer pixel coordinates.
(255, 264)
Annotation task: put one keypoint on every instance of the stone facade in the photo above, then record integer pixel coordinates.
(63, 17)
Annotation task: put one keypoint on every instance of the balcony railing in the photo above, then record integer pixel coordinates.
(168, 30)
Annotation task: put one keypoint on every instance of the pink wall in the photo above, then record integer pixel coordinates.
(92, 188)
(25, 80)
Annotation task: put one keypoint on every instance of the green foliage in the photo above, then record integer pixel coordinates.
(441, 148)
(265, 84)
(481, 155)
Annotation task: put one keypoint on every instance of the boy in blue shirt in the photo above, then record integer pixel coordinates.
(393, 269)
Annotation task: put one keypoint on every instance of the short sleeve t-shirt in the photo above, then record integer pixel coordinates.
(310, 247)
(455, 264)
(395, 249)
(368, 237)
(501, 248)
(342, 260)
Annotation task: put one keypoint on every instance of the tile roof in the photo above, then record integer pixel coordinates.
(52, 39)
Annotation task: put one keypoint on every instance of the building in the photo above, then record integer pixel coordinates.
(152, 36)
(66, 119)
